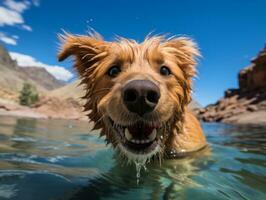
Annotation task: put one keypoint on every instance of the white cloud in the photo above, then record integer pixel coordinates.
(58, 72)
(17, 6)
(10, 17)
(26, 27)
(8, 40)
(15, 36)
(11, 13)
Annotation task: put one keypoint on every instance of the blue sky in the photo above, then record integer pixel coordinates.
(229, 33)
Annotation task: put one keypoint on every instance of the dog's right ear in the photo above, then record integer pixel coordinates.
(87, 50)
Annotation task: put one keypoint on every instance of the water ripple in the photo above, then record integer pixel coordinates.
(57, 159)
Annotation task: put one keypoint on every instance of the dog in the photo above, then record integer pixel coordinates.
(138, 93)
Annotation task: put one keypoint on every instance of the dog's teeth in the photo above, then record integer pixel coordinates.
(140, 141)
(128, 135)
(152, 136)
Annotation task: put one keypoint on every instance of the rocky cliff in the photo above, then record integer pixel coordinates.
(5, 58)
(245, 105)
(254, 76)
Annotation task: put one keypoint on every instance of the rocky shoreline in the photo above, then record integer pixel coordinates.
(237, 108)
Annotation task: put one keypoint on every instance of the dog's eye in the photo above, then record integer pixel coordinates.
(165, 71)
(114, 71)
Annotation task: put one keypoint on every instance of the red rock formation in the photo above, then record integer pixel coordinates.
(246, 104)
(254, 76)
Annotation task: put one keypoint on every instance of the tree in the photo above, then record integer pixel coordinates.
(28, 95)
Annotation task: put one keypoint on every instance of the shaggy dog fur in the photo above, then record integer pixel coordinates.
(106, 68)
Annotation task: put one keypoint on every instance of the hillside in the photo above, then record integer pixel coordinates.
(64, 102)
(246, 104)
(42, 77)
(12, 76)
(72, 90)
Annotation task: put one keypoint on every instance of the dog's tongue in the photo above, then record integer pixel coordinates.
(140, 129)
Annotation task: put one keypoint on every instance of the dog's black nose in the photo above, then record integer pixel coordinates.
(141, 96)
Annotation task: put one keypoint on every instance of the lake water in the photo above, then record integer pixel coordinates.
(57, 159)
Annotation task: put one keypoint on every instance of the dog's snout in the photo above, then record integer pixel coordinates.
(141, 96)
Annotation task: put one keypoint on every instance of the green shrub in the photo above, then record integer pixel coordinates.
(28, 95)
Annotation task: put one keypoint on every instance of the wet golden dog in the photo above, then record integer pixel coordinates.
(138, 93)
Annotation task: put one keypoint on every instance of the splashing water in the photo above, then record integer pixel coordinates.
(140, 165)
(139, 160)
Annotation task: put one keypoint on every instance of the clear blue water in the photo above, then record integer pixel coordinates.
(56, 159)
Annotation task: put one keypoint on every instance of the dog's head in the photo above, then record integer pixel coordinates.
(136, 92)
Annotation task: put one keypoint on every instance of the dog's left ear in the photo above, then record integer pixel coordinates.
(186, 52)
(87, 50)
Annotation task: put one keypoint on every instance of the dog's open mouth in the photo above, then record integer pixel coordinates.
(139, 138)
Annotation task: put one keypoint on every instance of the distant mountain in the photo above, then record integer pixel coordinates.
(12, 76)
(11, 79)
(42, 77)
